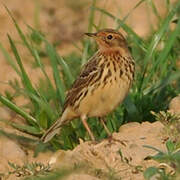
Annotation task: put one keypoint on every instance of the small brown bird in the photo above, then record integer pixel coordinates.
(102, 85)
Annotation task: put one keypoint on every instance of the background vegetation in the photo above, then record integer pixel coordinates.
(157, 78)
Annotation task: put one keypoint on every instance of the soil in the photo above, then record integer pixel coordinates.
(64, 22)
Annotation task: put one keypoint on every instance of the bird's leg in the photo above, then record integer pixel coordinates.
(102, 120)
(83, 119)
(105, 127)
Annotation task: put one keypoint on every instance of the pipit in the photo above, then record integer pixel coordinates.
(102, 85)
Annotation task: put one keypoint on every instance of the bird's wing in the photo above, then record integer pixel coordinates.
(87, 75)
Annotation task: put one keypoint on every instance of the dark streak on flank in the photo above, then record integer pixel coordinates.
(85, 93)
(121, 72)
(114, 66)
(98, 77)
(77, 97)
(107, 76)
(102, 65)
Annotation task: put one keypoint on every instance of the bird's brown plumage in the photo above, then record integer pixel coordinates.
(103, 82)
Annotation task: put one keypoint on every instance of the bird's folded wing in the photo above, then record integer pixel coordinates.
(88, 74)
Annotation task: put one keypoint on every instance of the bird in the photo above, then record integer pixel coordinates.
(103, 83)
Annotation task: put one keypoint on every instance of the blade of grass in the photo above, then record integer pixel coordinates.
(163, 55)
(128, 14)
(9, 59)
(85, 53)
(101, 19)
(162, 60)
(162, 83)
(90, 26)
(54, 62)
(28, 129)
(25, 79)
(132, 110)
(151, 49)
(37, 10)
(30, 48)
(38, 60)
(65, 67)
(22, 36)
(66, 70)
(91, 16)
(44, 105)
(14, 136)
(167, 4)
(18, 110)
(155, 11)
(153, 148)
(158, 35)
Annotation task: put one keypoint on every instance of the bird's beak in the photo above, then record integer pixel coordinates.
(91, 34)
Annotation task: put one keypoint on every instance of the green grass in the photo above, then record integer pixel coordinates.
(169, 161)
(155, 83)
(169, 167)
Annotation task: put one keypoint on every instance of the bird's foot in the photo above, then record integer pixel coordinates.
(111, 139)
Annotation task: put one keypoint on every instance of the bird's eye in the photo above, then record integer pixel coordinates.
(109, 37)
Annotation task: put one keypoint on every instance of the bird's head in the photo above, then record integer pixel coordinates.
(108, 39)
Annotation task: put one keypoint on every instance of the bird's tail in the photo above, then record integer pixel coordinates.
(52, 131)
(56, 127)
